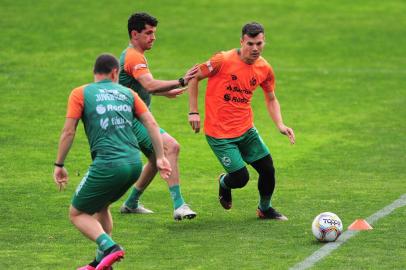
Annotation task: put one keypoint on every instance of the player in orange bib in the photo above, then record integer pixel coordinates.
(233, 76)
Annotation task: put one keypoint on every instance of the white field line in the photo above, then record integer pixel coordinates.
(329, 247)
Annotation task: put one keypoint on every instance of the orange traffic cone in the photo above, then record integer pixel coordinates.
(359, 225)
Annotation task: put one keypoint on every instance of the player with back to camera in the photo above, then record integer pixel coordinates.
(232, 78)
(136, 75)
(107, 110)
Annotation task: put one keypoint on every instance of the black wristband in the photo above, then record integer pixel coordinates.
(60, 165)
(182, 82)
(192, 113)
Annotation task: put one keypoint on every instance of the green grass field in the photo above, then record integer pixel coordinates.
(341, 80)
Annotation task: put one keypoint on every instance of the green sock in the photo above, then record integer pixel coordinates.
(134, 197)
(264, 202)
(222, 183)
(99, 254)
(104, 242)
(176, 196)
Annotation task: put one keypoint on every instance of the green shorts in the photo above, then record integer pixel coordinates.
(144, 141)
(232, 153)
(103, 185)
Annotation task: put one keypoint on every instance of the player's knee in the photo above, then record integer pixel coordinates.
(240, 178)
(269, 171)
(265, 167)
(172, 147)
(73, 214)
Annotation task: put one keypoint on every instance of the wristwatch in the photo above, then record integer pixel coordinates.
(182, 82)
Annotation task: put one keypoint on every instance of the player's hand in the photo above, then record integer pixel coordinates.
(174, 92)
(191, 73)
(194, 121)
(288, 132)
(164, 167)
(60, 177)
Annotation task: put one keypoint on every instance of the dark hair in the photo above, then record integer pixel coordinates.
(252, 29)
(137, 22)
(105, 63)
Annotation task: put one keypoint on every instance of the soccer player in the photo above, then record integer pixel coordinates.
(136, 75)
(107, 110)
(232, 78)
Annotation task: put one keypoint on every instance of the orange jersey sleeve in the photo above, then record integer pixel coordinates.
(75, 103)
(135, 64)
(212, 66)
(269, 84)
(139, 105)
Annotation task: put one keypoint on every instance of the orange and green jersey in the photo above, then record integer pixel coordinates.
(231, 83)
(133, 64)
(107, 110)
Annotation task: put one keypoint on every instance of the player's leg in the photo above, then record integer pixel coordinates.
(172, 148)
(236, 176)
(101, 186)
(105, 219)
(266, 186)
(229, 181)
(257, 154)
(89, 226)
(132, 205)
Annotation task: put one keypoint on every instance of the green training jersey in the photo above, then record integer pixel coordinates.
(107, 113)
(133, 64)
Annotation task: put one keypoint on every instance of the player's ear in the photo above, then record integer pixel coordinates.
(114, 75)
(133, 34)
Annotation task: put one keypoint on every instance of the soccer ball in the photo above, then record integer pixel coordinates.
(327, 227)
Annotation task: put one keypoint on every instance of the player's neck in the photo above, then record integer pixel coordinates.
(102, 77)
(244, 59)
(137, 47)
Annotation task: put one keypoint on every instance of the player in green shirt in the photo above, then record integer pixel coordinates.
(107, 110)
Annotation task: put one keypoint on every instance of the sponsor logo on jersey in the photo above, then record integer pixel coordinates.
(140, 66)
(228, 97)
(120, 122)
(119, 108)
(100, 109)
(110, 95)
(239, 100)
(104, 123)
(238, 90)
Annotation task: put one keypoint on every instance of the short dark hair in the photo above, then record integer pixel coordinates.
(105, 63)
(137, 22)
(252, 29)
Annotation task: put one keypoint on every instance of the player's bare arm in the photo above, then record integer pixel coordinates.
(274, 110)
(65, 143)
(162, 163)
(193, 88)
(160, 87)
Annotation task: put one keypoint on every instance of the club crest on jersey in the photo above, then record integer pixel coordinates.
(234, 77)
(226, 161)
